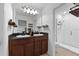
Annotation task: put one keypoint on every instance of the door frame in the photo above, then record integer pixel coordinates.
(55, 26)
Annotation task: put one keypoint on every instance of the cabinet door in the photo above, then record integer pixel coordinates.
(44, 45)
(37, 48)
(17, 50)
(16, 47)
(28, 48)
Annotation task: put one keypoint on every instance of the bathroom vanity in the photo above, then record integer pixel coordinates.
(27, 38)
(28, 46)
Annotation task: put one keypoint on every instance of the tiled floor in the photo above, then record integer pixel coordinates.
(62, 52)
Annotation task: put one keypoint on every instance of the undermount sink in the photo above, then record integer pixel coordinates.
(20, 36)
(38, 34)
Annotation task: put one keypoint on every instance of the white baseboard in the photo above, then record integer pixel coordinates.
(73, 49)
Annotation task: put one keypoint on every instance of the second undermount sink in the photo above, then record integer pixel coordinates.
(20, 36)
(38, 35)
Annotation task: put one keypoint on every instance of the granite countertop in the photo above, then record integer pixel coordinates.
(26, 37)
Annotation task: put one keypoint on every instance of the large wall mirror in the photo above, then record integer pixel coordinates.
(26, 20)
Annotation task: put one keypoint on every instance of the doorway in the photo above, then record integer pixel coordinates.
(66, 43)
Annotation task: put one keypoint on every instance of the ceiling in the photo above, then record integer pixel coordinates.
(38, 6)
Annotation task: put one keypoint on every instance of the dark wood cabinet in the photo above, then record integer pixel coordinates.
(29, 47)
(21, 47)
(37, 46)
(32, 46)
(44, 43)
(40, 45)
(16, 48)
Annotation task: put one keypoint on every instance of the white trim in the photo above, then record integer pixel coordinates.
(73, 49)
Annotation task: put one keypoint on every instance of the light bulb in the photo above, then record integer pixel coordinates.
(25, 10)
(28, 10)
(65, 12)
(31, 12)
(36, 12)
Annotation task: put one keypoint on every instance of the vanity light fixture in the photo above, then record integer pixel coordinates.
(30, 10)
